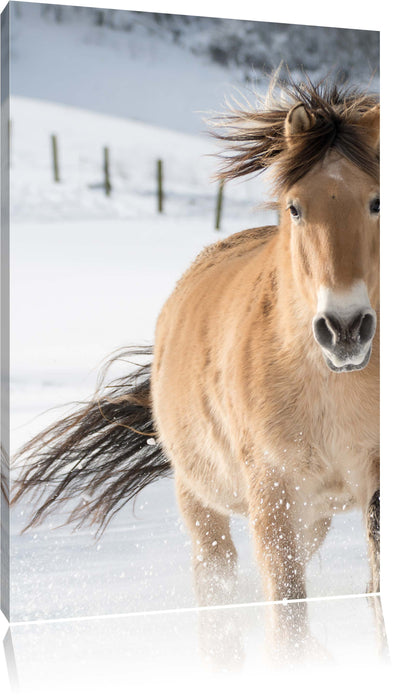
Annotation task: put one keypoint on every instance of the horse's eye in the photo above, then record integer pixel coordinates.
(294, 212)
(375, 206)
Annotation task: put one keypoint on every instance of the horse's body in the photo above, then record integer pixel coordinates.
(254, 421)
(265, 379)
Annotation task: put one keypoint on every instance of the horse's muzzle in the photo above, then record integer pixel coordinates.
(346, 342)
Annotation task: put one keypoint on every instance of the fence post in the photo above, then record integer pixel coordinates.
(106, 170)
(219, 204)
(160, 186)
(55, 160)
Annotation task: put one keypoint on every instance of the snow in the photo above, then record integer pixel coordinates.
(134, 150)
(157, 652)
(143, 76)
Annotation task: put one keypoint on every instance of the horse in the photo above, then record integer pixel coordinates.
(261, 395)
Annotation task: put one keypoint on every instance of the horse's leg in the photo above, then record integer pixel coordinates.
(283, 548)
(315, 535)
(214, 567)
(280, 552)
(214, 554)
(373, 528)
(373, 533)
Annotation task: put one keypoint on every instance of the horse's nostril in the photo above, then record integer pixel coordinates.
(362, 328)
(332, 332)
(323, 332)
(367, 328)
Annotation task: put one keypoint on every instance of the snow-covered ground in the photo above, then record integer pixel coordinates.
(88, 275)
(161, 654)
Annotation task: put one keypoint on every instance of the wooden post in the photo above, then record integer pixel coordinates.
(160, 186)
(219, 204)
(55, 160)
(106, 170)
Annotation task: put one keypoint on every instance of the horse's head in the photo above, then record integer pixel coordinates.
(331, 216)
(325, 147)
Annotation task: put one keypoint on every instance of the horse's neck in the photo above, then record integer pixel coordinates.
(292, 318)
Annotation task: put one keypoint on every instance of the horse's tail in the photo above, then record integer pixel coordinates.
(104, 453)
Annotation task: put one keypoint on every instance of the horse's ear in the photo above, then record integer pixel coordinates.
(371, 123)
(298, 119)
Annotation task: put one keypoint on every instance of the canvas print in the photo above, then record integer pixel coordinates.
(194, 313)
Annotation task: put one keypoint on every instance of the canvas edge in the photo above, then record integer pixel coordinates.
(5, 313)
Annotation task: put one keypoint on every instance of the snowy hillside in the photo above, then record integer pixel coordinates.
(168, 69)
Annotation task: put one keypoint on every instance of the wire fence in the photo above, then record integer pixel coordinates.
(108, 186)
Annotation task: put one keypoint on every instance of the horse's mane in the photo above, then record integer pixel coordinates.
(257, 137)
